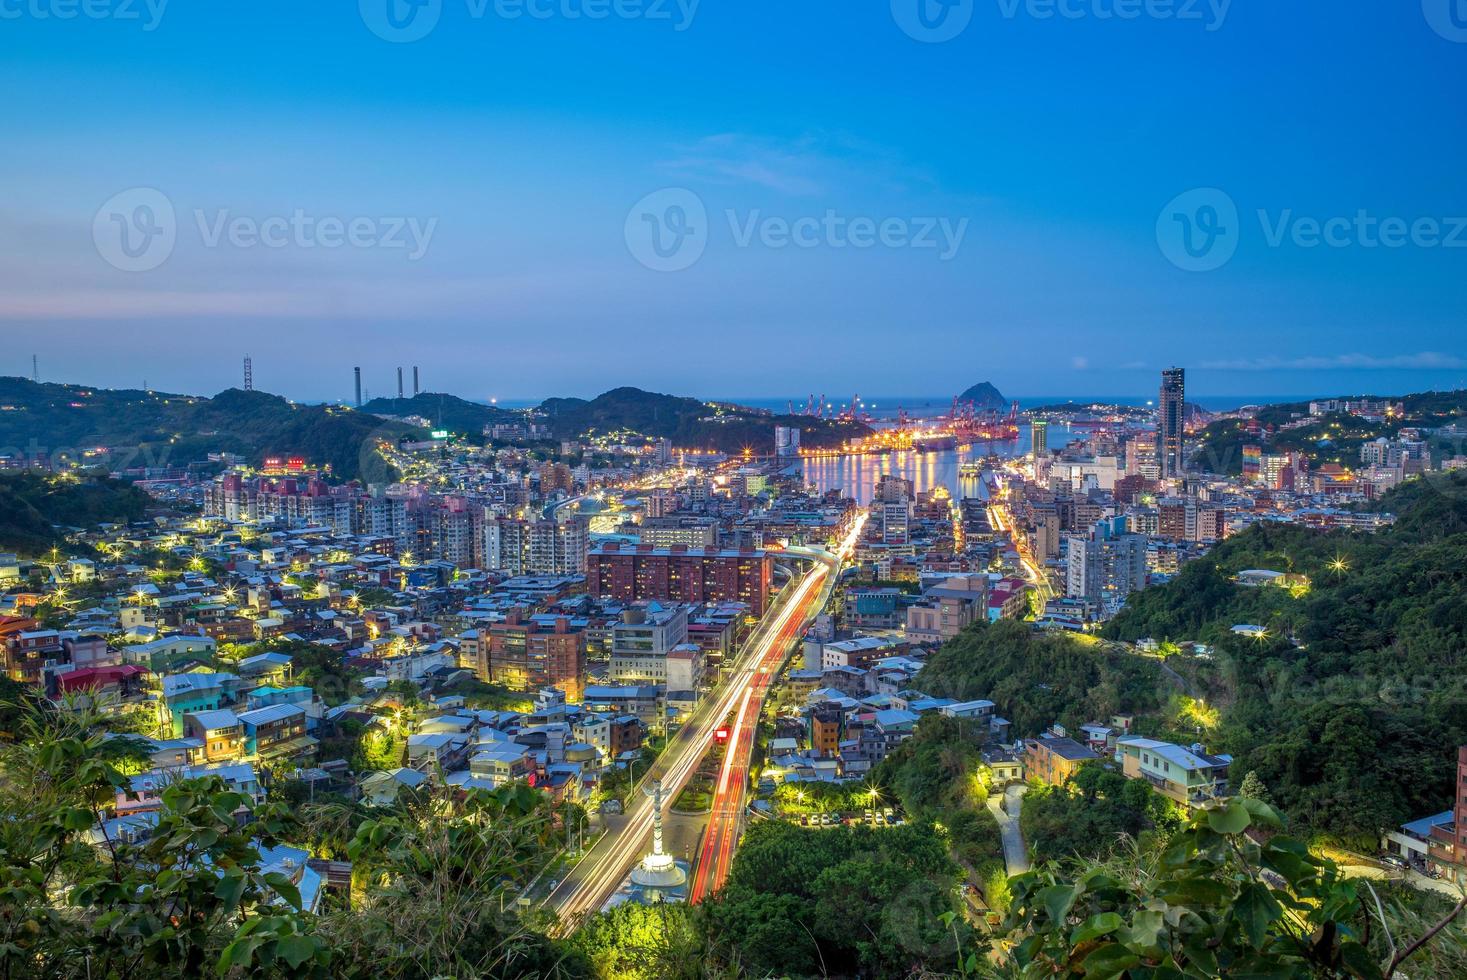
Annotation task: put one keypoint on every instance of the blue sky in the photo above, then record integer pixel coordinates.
(528, 152)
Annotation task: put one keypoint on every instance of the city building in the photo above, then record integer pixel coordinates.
(1055, 759)
(642, 640)
(1107, 564)
(1170, 422)
(528, 654)
(1447, 846)
(1186, 776)
(696, 575)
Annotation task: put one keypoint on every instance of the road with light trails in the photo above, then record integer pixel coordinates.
(593, 880)
(1003, 519)
(730, 795)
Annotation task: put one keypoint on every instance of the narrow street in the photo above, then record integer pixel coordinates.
(1005, 810)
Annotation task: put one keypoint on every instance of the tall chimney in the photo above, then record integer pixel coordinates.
(399, 383)
(358, 372)
(415, 381)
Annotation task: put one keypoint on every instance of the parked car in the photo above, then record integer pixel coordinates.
(1395, 861)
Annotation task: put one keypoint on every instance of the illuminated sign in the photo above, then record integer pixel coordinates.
(440, 433)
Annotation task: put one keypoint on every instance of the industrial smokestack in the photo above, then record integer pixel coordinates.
(399, 383)
(358, 372)
(415, 381)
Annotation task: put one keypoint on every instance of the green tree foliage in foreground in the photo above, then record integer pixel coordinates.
(1037, 679)
(1222, 894)
(1351, 708)
(1211, 902)
(843, 901)
(192, 899)
(1086, 816)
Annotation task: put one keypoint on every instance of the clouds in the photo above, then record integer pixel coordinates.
(1422, 361)
(805, 166)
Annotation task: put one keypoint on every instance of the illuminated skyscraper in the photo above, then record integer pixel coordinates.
(1170, 412)
(1039, 437)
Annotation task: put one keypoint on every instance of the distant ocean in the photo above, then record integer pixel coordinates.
(919, 405)
(888, 407)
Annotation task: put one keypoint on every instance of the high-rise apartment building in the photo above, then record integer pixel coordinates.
(1107, 564)
(529, 654)
(1170, 416)
(1039, 437)
(681, 574)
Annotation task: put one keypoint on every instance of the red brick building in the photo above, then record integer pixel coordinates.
(681, 574)
(1447, 846)
(526, 655)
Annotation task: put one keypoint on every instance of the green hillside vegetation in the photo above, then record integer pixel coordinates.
(1037, 679)
(846, 901)
(935, 775)
(1086, 817)
(1334, 438)
(31, 505)
(1351, 707)
(156, 429)
(443, 412)
(688, 422)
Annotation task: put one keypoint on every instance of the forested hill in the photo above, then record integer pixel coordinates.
(32, 506)
(688, 422)
(154, 428)
(1351, 706)
(443, 411)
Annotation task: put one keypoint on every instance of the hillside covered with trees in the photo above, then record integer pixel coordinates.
(32, 506)
(1037, 679)
(157, 429)
(1351, 706)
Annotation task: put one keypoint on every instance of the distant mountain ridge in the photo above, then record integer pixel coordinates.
(985, 397)
(442, 411)
(688, 422)
(160, 429)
